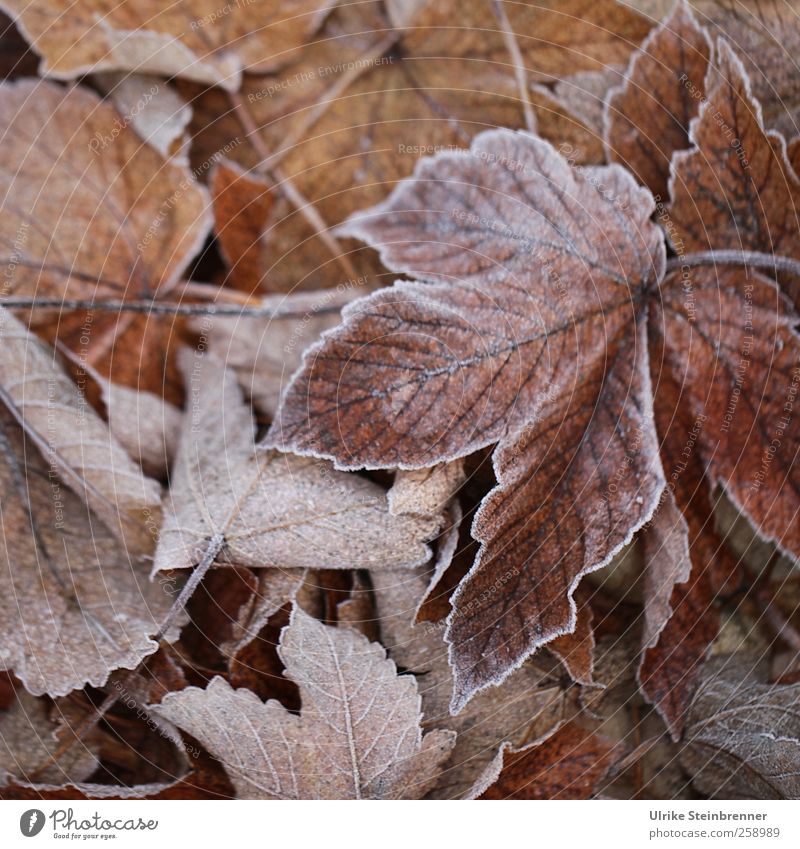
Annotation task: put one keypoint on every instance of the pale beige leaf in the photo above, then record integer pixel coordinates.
(426, 492)
(202, 40)
(273, 510)
(73, 439)
(144, 424)
(157, 113)
(501, 714)
(358, 734)
(74, 605)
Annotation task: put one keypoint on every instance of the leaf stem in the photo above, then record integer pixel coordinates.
(758, 259)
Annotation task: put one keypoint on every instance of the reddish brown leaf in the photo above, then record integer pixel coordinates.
(568, 764)
(647, 118)
(576, 650)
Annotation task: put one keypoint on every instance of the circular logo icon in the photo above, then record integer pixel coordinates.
(31, 822)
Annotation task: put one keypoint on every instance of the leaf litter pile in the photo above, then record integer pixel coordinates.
(400, 399)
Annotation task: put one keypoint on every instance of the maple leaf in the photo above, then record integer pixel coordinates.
(538, 290)
(518, 334)
(766, 36)
(647, 117)
(197, 39)
(742, 193)
(268, 509)
(743, 737)
(344, 119)
(74, 605)
(358, 734)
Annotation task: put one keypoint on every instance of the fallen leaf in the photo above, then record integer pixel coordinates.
(742, 739)
(197, 39)
(243, 202)
(74, 605)
(735, 188)
(495, 311)
(95, 214)
(145, 425)
(766, 36)
(271, 510)
(351, 741)
(73, 439)
(647, 117)
(567, 764)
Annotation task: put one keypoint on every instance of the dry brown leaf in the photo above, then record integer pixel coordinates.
(766, 37)
(568, 763)
(647, 117)
(530, 695)
(74, 605)
(200, 40)
(273, 510)
(527, 273)
(157, 113)
(742, 739)
(73, 439)
(243, 201)
(145, 425)
(358, 734)
(92, 212)
(735, 188)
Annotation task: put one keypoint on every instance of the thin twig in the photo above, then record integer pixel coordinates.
(519, 65)
(288, 188)
(758, 259)
(271, 306)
